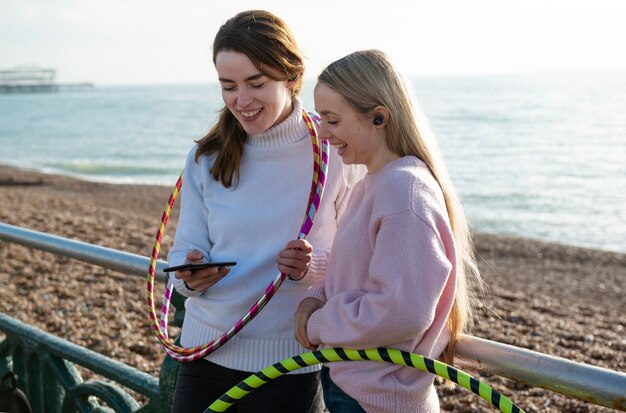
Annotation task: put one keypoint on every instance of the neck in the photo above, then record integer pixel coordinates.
(384, 155)
(287, 110)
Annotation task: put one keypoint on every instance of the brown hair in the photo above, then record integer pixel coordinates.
(367, 79)
(267, 41)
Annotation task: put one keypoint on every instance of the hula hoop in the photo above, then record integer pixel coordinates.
(320, 168)
(385, 355)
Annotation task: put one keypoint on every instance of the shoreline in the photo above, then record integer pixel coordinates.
(18, 175)
(558, 299)
(8, 169)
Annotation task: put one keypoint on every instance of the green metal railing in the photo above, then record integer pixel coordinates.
(48, 366)
(54, 384)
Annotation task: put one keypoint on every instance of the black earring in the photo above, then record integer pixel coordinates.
(378, 120)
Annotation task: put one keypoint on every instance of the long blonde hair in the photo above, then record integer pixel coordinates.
(367, 79)
(269, 43)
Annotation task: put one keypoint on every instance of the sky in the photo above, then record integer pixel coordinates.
(116, 42)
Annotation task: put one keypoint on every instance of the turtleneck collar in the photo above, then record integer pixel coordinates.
(291, 130)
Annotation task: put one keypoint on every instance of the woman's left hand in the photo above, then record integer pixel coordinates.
(306, 307)
(295, 258)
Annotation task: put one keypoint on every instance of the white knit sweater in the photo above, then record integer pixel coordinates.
(250, 224)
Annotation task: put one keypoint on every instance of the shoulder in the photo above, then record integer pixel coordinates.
(409, 184)
(197, 172)
(202, 161)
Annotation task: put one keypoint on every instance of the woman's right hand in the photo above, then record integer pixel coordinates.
(203, 279)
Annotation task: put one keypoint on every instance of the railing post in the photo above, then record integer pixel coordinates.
(167, 382)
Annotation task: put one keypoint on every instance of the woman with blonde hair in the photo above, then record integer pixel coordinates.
(400, 265)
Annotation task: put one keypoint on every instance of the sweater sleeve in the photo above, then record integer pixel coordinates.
(192, 230)
(316, 291)
(409, 270)
(317, 267)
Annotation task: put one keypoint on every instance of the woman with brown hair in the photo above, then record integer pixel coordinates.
(245, 188)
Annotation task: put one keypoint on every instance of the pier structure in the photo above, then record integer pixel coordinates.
(32, 79)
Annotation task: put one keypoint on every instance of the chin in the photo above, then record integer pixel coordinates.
(253, 129)
(348, 161)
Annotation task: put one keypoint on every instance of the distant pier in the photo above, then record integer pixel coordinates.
(33, 79)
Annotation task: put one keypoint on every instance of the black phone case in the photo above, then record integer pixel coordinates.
(199, 266)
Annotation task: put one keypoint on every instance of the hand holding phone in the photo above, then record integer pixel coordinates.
(194, 267)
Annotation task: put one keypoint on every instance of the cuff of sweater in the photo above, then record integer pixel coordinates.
(313, 327)
(316, 291)
(317, 267)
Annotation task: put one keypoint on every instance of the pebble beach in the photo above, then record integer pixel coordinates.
(556, 299)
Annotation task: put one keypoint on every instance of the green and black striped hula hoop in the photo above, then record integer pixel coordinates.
(384, 355)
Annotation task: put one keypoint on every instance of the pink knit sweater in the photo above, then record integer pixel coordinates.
(390, 283)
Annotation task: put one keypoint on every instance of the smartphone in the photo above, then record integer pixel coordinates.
(194, 267)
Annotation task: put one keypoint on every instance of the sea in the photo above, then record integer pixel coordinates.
(541, 156)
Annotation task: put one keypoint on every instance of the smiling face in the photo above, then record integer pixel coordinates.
(257, 101)
(355, 136)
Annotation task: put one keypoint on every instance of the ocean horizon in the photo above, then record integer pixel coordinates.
(538, 156)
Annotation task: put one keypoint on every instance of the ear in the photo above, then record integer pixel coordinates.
(292, 81)
(381, 116)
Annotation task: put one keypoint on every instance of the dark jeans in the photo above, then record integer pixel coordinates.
(201, 382)
(337, 401)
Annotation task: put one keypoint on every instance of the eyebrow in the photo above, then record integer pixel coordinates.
(253, 77)
(327, 112)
